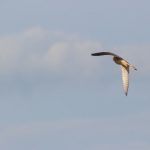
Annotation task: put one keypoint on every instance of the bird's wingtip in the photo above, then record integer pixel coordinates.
(126, 93)
(95, 54)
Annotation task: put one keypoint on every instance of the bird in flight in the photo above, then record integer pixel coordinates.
(125, 66)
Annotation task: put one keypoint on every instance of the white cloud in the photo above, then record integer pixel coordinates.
(37, 49)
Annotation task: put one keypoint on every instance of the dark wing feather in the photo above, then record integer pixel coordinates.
(104, 53)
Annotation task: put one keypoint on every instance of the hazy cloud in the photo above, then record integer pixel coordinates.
(39, 49)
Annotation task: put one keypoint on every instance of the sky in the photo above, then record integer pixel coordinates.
(54, 94)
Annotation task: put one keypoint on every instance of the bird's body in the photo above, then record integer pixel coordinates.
(125, 66)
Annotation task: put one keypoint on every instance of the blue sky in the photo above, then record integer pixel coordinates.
(53, 94)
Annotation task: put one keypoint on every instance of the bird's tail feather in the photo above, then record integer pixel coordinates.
(133, 67)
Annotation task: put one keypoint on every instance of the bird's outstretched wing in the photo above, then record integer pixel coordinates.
(125, 78)
(105, 53)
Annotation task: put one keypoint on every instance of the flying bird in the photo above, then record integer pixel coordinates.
(125, 67)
